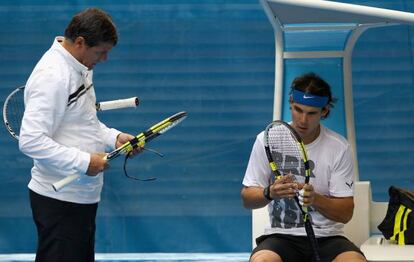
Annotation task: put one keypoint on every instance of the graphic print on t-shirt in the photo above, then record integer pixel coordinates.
(286, 213)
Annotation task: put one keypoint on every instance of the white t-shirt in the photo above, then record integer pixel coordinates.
(331, 166)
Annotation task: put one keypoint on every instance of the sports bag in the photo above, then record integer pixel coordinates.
(398, 223)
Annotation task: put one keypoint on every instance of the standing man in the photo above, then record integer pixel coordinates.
(61, 132)
(329, 194)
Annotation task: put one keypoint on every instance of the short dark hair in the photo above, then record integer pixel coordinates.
(94, 25)
(313, 84)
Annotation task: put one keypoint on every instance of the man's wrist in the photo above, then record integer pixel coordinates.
(266, 193)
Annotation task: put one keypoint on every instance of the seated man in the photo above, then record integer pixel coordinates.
(329, 195)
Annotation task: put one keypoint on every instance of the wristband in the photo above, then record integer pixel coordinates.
(266, 193)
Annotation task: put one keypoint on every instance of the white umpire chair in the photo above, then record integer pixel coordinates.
(362, 229)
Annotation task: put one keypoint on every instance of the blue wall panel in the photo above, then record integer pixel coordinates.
(384, 106)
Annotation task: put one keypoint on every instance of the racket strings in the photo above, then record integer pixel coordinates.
(15, 111)
(282, 143)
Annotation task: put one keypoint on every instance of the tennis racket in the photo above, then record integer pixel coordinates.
(139, 141)
(13, 109)
(282, 145)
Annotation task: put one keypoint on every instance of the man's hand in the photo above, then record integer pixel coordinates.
(122, 138)
(97, 164)
(306, 195)
(284, 187)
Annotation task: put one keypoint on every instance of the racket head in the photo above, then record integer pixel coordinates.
(285, 150)
(170, 122)
(13, 110)
(161, 127)
(154, 131)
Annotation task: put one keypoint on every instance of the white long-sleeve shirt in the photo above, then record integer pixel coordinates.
(60, 127)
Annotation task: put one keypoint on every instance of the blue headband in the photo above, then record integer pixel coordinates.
(309, 99)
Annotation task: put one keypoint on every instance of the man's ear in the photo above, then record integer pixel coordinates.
(325, 111)
(80, 41)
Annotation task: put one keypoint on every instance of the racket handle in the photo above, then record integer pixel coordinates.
(120, 103)
(64, 182)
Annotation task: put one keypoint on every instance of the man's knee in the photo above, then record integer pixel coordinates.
(265, 256)
(350, 256)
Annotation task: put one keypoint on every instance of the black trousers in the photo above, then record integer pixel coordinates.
(65, 230)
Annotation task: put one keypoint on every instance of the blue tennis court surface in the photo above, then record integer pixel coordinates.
(148, 257)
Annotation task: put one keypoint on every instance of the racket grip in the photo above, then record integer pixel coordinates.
(120, 103)
(64, 182)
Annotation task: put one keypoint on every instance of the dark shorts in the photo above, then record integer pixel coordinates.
(297, 248)
(66, 231)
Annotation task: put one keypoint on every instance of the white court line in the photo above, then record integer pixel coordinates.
(233, 257)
